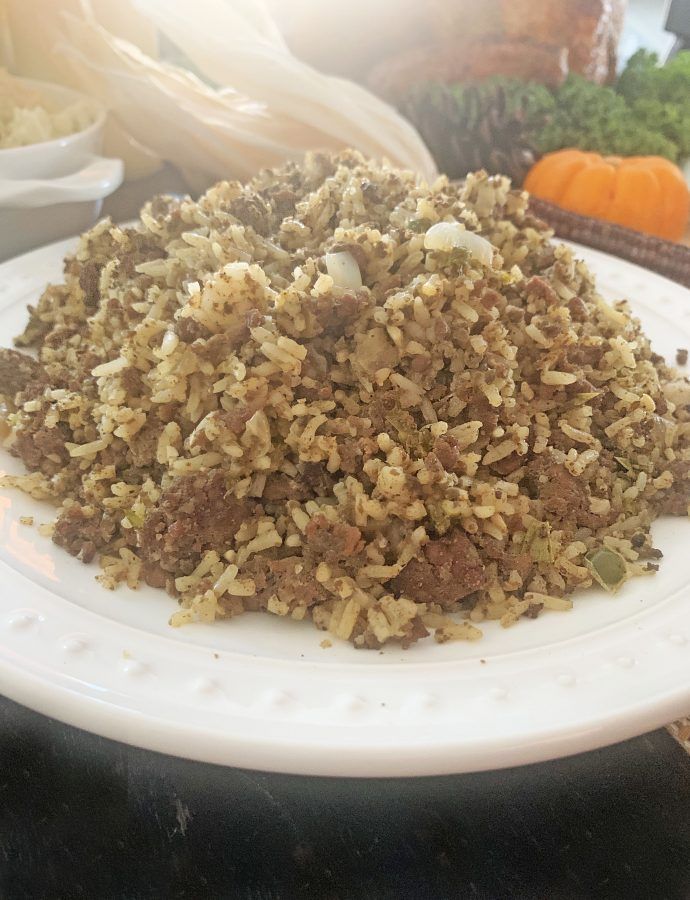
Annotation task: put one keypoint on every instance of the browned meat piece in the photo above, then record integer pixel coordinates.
(142, 248)
(681, 356)
(254, 318)
(252, 210)
(449, 570)
(17, 370)
(533, 610)
(89, 282)
(60, 335)
(480, 410)
(419, 363)
(350, 455)
(507, 465)
(330, 541)
(196, 513)
(189, 330)
(564, 496)
(233, 421)
(521, 562)
(283, 200)
(441, 329)
(660, 404)
(541, 288)
(583, 386)
(219, 346)
(132, 381)
(83, 534)
(578, 310)
(584, 354)
(153, 575)
(514, 314)
(317, 392)
(447, 451)
(288, 578)
(280, 487)
(561, 494)
(315, 366)
(144, 444)
(677, 497)
(510, 557)
(236, 419)
(43, 448)
(414, 631)
(298, 588)
(164, 205)
(386, 415)
(333, 314)
(317, 479)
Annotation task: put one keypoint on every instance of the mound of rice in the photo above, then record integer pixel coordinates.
(341, 394)
(26, 117)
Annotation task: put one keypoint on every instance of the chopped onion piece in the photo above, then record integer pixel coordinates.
(343, 269)
(448, 236)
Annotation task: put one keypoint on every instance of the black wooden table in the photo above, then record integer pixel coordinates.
(84, 817)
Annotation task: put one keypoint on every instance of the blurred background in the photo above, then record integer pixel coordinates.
(219, 88)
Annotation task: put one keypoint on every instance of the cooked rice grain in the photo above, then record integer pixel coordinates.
(224, 412)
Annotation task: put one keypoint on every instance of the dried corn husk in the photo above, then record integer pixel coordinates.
(29, 31)
(250, 104)
(237, 43)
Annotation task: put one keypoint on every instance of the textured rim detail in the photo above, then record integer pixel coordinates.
(375, 717)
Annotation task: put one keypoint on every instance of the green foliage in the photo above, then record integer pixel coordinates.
(592, 117)
(527, 101)
(659, 96)
(647, 112)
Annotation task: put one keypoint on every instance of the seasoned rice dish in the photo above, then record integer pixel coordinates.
(338, 393)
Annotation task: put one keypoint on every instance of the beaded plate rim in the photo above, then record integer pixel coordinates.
(334, 714)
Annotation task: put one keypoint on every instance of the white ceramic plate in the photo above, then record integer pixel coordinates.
(261, 692)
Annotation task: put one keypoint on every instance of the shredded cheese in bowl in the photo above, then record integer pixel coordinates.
(27, 117)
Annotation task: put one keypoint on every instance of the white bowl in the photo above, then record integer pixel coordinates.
(54, 188)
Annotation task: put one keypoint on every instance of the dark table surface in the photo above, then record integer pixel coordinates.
(84, 817)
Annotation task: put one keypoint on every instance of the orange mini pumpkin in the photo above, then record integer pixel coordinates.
(647, 193)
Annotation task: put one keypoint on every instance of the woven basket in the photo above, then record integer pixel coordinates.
(664, 257)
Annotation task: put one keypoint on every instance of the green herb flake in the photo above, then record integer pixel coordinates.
(136, 520)
(537, 542)
(419, 226)
(608, 568)
(416, 442)
(440, 518)
(451, 259)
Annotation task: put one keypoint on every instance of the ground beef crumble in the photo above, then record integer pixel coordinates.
(17, 370)
(450, 569)
(83, 532)
(332, 541)
(196, 513)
